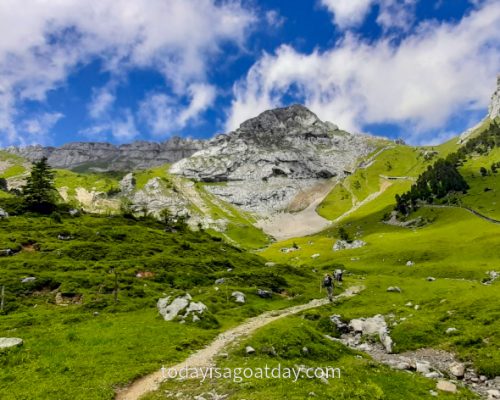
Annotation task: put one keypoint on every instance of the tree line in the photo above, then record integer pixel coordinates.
(443, 179)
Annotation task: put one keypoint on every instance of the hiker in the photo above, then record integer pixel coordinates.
(328, 284)
(337, 275)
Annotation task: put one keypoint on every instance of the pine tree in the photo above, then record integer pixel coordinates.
(39, 192)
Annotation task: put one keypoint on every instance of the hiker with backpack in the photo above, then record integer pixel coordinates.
(328, 284)
(337, 276)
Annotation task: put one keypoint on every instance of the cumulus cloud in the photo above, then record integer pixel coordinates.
(163, 114)
(102, 101)
(392, 14)
(45, 40)
(38, 126)
(121, 128)
(348, 13)
(418, 83)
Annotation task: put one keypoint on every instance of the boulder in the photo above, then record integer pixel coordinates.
(423, 367)
(8, 342)
(446, 386)
(181, 307)
(344, 245)
(341, 326)
(410, 263)
(219, 281)
(265, 294)
(457, 370)
(249, 350)
(3, 213)
(451, 330)
(494, 393)
(239, 297)
(394, 289)
(373, 326)
(28, 279)
(270, 264)
(315, 255)
(430, 279)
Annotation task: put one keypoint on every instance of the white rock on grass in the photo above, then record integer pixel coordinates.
(3, 213)
(172, 309)
(344, 245)
(373, 326)
(239, 297)
(249, 350)
(6, 343)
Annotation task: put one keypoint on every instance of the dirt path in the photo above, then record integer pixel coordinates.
(205, 357)
(383, 187)
(472, 211)
(288, 225)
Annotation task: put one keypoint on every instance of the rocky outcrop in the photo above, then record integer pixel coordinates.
(494, 108)
(345, 245)
(269, 159)
(172, 309)
(106, 156)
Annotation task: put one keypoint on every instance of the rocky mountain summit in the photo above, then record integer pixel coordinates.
(494, 108)
(264, 164)
(105, 156)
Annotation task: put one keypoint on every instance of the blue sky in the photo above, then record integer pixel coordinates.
(124, 70)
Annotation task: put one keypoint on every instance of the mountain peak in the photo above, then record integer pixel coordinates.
(494, 108)
(294, 116)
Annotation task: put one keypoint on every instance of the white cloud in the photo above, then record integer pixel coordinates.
(274, 19)
(38, 126)
(43, 41)
(348, 13)
(436, 71)
(122, 128)
(392, 14)
(163, 114)
(102, 101)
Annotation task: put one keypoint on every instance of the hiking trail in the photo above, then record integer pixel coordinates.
(204, 358)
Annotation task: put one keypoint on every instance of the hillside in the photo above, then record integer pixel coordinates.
(81, 289)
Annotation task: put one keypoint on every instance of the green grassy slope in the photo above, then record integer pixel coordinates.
(457, 299)
(86, 348)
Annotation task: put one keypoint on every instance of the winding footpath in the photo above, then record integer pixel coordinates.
(205, 357)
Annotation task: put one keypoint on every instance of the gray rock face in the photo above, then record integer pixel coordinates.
(127, 184)
(105, 156)
(494, 108)
(270, 158)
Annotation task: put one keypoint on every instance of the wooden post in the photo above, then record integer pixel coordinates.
(2, 297)
(116, 285)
